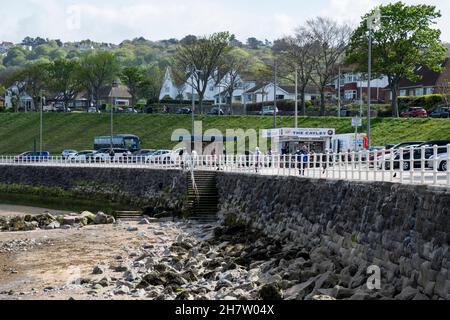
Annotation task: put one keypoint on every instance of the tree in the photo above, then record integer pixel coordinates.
(404, 40)
(34, 79)
(133, 78)
(233, 65)
(297, 54)
(204, 55)
(63, 79)
(254, 43)
(329, 42)
(96, 71)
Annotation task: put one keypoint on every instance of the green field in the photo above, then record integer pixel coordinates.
(61, 131)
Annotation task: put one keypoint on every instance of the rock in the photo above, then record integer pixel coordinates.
(123, 290)
(300, 291)
(98, 270)
(421, 297)
(327, 280)
(270, 292)
(407, 293)
(74, 220)
(343, 293)
(323, 298)
(53, 225)
(101, 218)
(105, 282)
(144, 221)
(130, 276)
(132, 229)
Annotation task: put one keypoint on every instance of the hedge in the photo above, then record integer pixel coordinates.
(282, 105)
(428, 102)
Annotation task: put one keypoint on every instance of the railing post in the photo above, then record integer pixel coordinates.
(447, 165)
(402, 162)
(435, 165)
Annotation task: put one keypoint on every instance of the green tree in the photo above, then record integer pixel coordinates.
(204, 55)
(35, 77)
(133, 78)
(404, 40)
(96, 71)
(63, 79)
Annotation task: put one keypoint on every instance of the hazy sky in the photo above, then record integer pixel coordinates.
(116, 20)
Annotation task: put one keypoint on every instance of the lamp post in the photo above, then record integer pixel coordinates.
(371, 21)
(41, 144)
(296, 97)
(194, 70)
(339, 92)
(275, 94)
(112, 119)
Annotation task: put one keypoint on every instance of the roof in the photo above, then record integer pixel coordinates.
(119, 91)
(429, 78)
(288, 89)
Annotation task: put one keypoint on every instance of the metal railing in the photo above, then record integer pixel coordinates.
(425, 165)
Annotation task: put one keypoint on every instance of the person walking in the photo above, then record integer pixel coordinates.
(302, 159)
(257, 159)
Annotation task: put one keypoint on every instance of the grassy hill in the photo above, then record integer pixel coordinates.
(19, 131)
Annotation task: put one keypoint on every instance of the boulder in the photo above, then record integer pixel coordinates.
(407, 293)
(53, 225)
(270, 292)
(300, 291)
(101, 218)
(98, 270)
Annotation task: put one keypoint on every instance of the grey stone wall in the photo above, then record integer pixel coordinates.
(145, 187)
(403, 229)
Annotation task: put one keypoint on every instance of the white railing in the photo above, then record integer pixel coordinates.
(409, 166)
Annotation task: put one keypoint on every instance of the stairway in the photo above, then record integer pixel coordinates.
(129, 215)
(204, 205)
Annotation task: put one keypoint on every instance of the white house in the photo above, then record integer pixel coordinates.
(170, 89)
(26, 101)
(266, 92)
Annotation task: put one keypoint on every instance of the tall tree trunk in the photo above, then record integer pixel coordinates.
(395, 110)
(322, 102)
(302, 98)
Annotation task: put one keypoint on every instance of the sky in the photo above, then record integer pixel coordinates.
(116, 20)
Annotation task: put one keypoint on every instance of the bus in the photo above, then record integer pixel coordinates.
(129, 142)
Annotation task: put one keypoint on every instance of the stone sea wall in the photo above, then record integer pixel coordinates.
(139, 187)
(405, 230)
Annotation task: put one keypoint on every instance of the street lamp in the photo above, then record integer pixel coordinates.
(193, 71)
(275, 94)
(41, 144)
(371, 22)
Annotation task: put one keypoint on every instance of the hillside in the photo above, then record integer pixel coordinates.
(18, 131)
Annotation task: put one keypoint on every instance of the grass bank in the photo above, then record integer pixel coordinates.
(19, 131)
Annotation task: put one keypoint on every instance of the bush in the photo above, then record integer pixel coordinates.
(282, 105)
(428, 102)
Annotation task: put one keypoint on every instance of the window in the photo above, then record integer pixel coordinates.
(350, 94)
(418, 92)
(237, 98)
(403, 93)
(167, 88)
(429, 90)
(211, 88)
(280, 97)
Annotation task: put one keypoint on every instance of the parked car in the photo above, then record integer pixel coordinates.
(93, 110)
(415, 112)
(130, 110)
(67, 153)
(82, 156)
(62, 109)
(184, 111)
(441, 162)
(216, 111)
(268, 111)
(141, 155)
(103, 155)
(31, 156)
(416, 158)
(389, 153)
(441, 112)
(160, 156)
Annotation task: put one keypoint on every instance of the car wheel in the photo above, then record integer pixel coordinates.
(406, 166)
(443, 166)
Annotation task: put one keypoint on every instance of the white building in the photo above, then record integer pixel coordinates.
(184, 92)
(266, 92)
(26, 101)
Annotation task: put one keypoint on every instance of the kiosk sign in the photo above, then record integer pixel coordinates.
(356, 122)
(299, 133)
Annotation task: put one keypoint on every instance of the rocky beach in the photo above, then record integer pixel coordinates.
(93, 257)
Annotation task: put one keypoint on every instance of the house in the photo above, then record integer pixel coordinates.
(116, 94)
(184, 92)
(25, 103)
(354, 84)
(2, 102)
(266, 92)
(430, 82)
